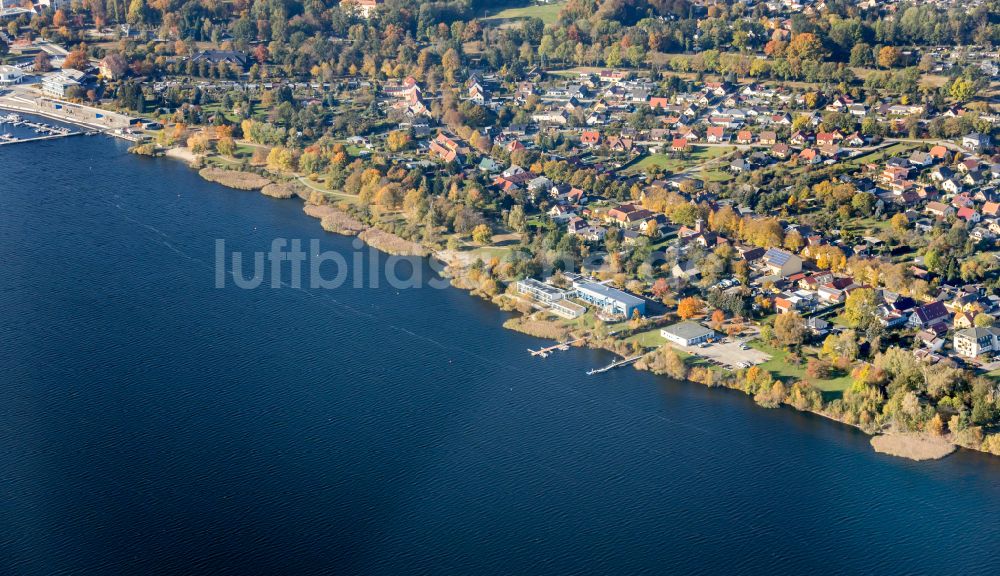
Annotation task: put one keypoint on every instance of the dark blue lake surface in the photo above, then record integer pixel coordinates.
(153, 424)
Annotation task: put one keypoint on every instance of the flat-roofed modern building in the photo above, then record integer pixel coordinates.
(10, 75)
(687, 333)
(540, 290)
(608, 299)
(567, 309)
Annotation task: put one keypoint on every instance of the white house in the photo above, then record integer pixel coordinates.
(973, 342)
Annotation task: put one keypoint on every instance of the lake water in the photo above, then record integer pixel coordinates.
(153, 424)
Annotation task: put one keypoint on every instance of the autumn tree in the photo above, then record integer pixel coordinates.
(962, 89)
(42, 62)
(226, 146)
(281, 159)
(888, 56)
(482, 234)
(516, 219)
(137, 13)
(789, 329)
(77, 60)
(398, 140)
(983, 320)
(199, 143)
(689, 307)
(936, 425)
(806, 46)
(899, 222)
(718, 317)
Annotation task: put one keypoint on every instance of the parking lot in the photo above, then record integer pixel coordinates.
(728, 354)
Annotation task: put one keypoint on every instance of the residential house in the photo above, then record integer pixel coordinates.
(782, 263)
(976, 142)
(930, 315)
(974, 342)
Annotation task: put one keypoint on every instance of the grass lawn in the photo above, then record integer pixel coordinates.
(779, 366)
(697, 155)
(547, 12)
(888, 152)
(648, 339)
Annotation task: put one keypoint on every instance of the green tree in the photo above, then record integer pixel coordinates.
(516, 219)
(136, 13)
(962, 89)
(860, 308)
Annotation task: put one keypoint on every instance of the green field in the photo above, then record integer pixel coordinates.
(697, 155)
(548, 13)
(649, 339)
(896, 149)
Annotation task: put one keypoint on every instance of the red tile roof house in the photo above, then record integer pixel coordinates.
(514, 146)
(810, 155)
(620, 213)
(783, 305)
(837, 290)
(658, 102)
(590, 138)
(825, 138)
(679, 144)
(444, 148)
(991, 208)
(968, 214)
(939, 152)
(854, 140)
(963, 200)
(716, 134)
(744, 137)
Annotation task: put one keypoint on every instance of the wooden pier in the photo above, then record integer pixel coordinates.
(544, 352)
(613, 365)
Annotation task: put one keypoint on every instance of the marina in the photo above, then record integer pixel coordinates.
(40, 130)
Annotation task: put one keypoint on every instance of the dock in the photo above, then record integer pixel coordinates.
(613, 365)
(11, 140)
(544, 352)
(44, 131)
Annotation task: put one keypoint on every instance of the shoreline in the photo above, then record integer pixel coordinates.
(916, 446)
(105, 130)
